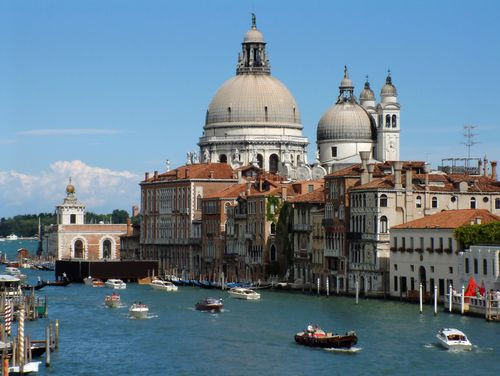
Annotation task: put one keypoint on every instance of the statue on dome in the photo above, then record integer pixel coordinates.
(206, 156)
(188, 158)
(286, 155)
(194, 157)
(236, 155)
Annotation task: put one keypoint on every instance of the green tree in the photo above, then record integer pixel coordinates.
(119, 216)
(475, 234)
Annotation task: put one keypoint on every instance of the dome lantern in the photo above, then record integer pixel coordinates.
(367, 93)
(388, 90)
(346, 88)
(253, 58)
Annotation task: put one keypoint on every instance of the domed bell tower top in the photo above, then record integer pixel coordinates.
(71, 211)
(253, 58)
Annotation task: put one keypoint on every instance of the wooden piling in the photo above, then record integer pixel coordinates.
(450, 302)
(47, 346)
(57, 334)
(421, 298)
(5, 368)
(435, 300)
(357, 292)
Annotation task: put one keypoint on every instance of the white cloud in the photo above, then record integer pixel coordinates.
(101, 189)
(69, 132)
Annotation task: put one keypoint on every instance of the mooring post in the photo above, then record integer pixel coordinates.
(47, 346)
(357, 291)
(462, 300)
(327, 286)
(5, 366)
(318, 281)
(450, 302)
(420, 291)
(435, 300)
(57, 333)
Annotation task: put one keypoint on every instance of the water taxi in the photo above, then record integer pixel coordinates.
(139, 311)
(159, 284)
(94, 282)
(15, 272)
(453, 339)
(243, 293)
(313, 336)
(12, 237)
(116, 284)
(113, 300)
(210, 304)
(10, 286)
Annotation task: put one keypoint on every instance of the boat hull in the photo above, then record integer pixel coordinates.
(209, 307)
(454, 345)
(334, 341)
(139, 314)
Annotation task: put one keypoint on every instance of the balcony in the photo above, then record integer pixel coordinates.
(331, 253)
(302, 227)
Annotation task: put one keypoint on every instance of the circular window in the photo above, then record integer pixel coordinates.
(453, 199)
(485, 199)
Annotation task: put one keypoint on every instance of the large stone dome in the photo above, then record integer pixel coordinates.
(253, 99)
(345, 121)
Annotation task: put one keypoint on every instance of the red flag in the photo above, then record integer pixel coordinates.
(471, 288)
(482, 289)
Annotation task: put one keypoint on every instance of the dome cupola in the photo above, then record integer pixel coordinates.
(388, 91)
(367, 93)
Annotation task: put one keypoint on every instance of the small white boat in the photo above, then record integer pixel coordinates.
(453, 339)
(159, 284)
(94, 282)
(113, 300)
(11, 237)
(242, 293)
(138, 311)
(31, 367)
(12, 271)
(117, 284)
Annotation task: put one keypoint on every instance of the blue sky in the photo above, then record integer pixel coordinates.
(105, 90)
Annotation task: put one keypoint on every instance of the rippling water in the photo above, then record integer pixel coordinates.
(252, 338)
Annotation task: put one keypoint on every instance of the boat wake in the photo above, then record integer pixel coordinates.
(350, 350)
(148, 317)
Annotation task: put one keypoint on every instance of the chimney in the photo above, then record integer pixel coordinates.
(426, 172)
(283, 193)
(129, 226)
(397, 174)
(146, 176)
(409, 179)
(371, 169)
(480, 166)
(155, 175)
(365, 156)
(485, 165)
(494, 170)
(211, 174)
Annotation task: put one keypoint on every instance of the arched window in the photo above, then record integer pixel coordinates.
(387, 121)
(78, 246)
(434, 202)
(223, 158)
(198, 202)
(394, 121)
(472, 202)
(273, 163)
(273, 253)
(383, 201)
(497, 203)
(106, 249)
(273, 228)
(260, 159)
(383, 224)
(418, 202)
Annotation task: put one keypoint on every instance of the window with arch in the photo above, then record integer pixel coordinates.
(383, 224)
(273, 253)
(418, 202)
(273, 163)
(260, 159)
(434, 202)
(485, 266)
(394, 121)
(198, 202)
(387, 121)
(78, 246)
(106, 249)
(476, 271)
(223, 158)
(273, 228)
(383, 201)
(472, 202)
(497, 203)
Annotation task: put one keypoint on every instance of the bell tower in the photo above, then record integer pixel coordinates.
(388, 128)
(71, 211)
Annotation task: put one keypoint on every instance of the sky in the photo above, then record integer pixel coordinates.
(105, 90)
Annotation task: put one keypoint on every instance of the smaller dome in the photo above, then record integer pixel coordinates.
(346, 82)
(253, 36)
(388, 90)
(345, 121)
(367, 93)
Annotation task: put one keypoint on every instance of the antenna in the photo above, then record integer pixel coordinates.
(469, 142)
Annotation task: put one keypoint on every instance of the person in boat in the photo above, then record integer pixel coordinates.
(310, 330)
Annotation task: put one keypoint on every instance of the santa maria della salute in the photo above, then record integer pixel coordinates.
(253, 119)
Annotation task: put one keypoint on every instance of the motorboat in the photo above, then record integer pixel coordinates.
(116, 284)
(159, 284)
(313, 336)
(94, 282)
(210, 304)
(10, 286)
(138, 311)
(453, 339)
(243, 293)
(27, 368)
(113, 300)
(12, 237)
(15, 272)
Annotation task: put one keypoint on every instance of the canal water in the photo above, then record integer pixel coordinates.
(251, 338)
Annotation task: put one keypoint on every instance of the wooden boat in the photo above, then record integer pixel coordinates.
(38, 286)
(113, 300)
(210, 304)
(60, 283)
(315, 337)
(94, 282)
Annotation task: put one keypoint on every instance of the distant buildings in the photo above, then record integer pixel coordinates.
(72, 238)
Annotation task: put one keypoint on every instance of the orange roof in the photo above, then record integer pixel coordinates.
(380, 169)
(233, 191)
(314, 197)
(450, 219)
(196, 171)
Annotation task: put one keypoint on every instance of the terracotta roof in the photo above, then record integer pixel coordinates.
(380, 169)
(233, 191)
(314, 197)
(196, 171)
(450, 219)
